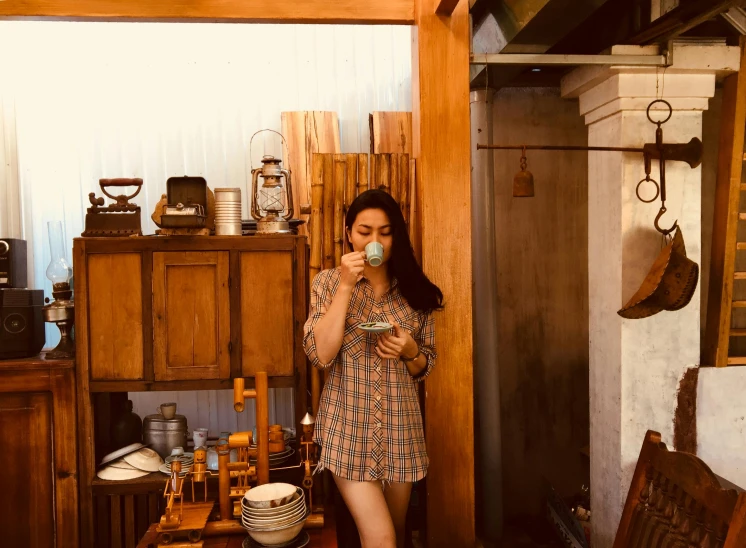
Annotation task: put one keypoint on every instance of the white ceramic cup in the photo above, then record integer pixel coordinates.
(168, 410)
(374, 253)
(199, 437)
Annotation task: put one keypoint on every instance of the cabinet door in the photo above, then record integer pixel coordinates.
(191, 315)
(27, 501)
(267, 313)
(115, 319)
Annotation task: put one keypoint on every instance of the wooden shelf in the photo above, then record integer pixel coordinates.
(158, 386)
(36, 362)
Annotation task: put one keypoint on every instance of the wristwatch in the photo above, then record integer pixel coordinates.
(411, 359)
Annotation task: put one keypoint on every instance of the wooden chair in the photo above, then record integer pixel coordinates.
(676, 501)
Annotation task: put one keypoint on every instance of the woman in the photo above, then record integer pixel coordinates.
(369, 424)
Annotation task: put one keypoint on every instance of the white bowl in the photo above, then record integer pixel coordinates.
(119, 474)
(273, 512)
(280, 535)
(121, 464)
(274, 522)
(294, 501)
(270, 495)
(144, 459)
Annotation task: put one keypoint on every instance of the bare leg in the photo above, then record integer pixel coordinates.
(397, 499)
(369, 510)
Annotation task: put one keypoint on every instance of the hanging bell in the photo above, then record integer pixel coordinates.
(523, 182)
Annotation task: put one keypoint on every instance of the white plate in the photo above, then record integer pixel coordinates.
(376, 327)
(144, 459)
(166, 469)
(118, 474)
(121, 452)
(186, 457)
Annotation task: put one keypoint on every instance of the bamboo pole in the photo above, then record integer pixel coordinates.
(384, 168)
(415, 232)
(362, 173)
(374, 171)
(394, 176)
(317, 198)
(403, 168)
(350, 189)
(339, 189)
(328, 211)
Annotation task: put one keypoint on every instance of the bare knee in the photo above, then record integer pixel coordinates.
(380, 538)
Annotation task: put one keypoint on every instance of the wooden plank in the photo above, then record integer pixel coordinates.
(141, 512)
(415, 225)
(236, 326)
(740, 246)
(66, 458)
(116, 322)
(147, 314)
(300, 312)
(87, 465)
(170, 386)
(102, 521)
(446, 7)
(129, 521)
(736, 360)
(267, 313)
(738, 332)
(350, 180)
(679, 20)
(391, 132)
(116, 521)
(739, 276)
(390, 12)
(307, 132)
(739, 304)
(725, 224)
(327, 212)
(153, 513)
(317, 204)
(441, 144)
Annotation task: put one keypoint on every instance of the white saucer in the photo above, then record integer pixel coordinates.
(376, 327)
(122, 452)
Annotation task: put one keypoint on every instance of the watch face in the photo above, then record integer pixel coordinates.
(14, 323)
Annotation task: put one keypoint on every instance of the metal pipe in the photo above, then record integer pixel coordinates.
(536, 59)
(559, 147)
(486, 374)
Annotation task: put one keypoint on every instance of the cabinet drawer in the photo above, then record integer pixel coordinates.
(191, 315)
(115, 316)
(267, 313)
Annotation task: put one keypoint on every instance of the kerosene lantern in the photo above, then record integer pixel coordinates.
(272, 203)
(61, 311)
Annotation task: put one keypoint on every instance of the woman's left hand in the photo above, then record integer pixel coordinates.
(392, 345)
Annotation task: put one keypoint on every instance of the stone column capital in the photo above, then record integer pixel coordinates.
(687, 85)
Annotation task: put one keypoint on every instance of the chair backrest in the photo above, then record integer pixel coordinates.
(676, 501)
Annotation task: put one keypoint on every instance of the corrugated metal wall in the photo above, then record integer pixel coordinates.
(83, 101)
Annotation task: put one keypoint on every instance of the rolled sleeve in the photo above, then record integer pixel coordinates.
(425, 339)
(320, 300)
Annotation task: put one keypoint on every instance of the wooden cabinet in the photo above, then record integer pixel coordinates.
(181, 313)
(39, 502)
(191, 315)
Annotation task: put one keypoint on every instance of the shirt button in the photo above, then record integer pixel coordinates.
(378, 398)
(378, 425)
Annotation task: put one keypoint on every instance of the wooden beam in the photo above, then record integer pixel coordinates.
(725, 223)
(446, 7)
(441, 135)
(399, 12)
(681, 19)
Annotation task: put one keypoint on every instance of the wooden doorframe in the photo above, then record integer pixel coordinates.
(440, 88)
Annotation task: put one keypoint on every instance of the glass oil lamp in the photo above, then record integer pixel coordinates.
(61, 310)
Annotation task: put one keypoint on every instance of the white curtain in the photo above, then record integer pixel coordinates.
(84, 101)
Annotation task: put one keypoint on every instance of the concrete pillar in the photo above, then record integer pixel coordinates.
(635, 365)
(488, 458)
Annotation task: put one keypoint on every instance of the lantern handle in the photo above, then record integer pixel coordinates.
(287, 150)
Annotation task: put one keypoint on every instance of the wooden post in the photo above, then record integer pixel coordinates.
(362, 173)
(725, 223)
(403, 169)
(394, 176)
(317, 198)
(262, 427)
(440, 131)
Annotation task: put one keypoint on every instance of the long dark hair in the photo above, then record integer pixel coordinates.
(414, 285)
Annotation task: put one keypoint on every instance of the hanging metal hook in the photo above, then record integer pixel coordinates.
(664, 231)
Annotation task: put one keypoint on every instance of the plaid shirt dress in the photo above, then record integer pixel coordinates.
(369, 424)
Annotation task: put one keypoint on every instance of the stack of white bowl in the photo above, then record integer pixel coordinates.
(274, 513)
(133, 461)
(227, 211)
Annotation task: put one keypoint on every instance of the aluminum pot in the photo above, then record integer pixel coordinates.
(163, 434)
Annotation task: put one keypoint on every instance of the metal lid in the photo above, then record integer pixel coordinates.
(159, 422)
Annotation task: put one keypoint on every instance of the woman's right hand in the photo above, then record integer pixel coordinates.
(352, 265)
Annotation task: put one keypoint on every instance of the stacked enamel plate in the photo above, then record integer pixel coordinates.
(274, 513)
(131, 462)
(187, 461)
(275, 459)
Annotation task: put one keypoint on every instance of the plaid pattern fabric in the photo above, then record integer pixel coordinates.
(369, 424)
